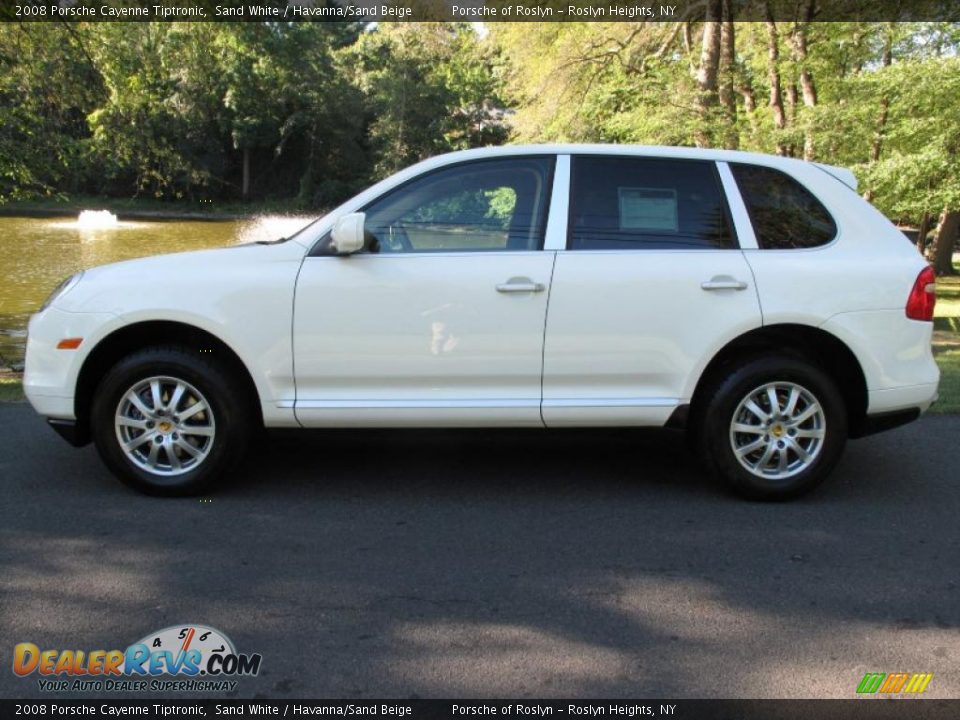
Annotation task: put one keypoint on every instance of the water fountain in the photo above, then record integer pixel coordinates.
(96, 220)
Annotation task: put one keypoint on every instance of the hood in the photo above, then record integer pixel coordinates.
(177, 277)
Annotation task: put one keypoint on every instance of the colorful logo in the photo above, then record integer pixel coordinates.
(179, 650)
(894, 683)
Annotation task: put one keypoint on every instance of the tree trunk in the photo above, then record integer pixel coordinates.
(776, 94)
(305, 197)
(888, 45)
(808, 88)
(792, 97)
(945, 242)
(806, 77)
(857, 45)
(707, 72)
(749, 107)
(922, 234)
(245, 188)
(728, 68)
(791, 114)
(880, 129)
(877, 145)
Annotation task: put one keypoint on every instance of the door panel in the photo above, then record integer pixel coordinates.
(440, 321)
(627, 332)
(420, 339)
(651, 286)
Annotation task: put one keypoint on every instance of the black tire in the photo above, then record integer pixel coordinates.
(722, 402)
(229, 407)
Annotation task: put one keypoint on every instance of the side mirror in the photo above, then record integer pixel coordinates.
(347, 237)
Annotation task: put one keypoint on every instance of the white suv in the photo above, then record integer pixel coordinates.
(754, 300)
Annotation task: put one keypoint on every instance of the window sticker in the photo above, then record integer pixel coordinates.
(648, 209)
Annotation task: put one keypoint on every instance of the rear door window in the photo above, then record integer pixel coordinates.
(628, 203)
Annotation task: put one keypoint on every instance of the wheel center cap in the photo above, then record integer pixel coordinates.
(165, 426)
(777, 430)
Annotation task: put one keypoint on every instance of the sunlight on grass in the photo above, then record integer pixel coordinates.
(949, 402)
(11, 389)
(948, 297)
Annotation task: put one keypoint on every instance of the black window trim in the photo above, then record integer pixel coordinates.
(550, 157)
(823, 205)
(725, 204)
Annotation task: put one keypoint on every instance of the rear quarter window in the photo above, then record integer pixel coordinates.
(784, 214)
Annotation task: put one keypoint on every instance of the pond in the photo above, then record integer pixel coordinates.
(37, 253)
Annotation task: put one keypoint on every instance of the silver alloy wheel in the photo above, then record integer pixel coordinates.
(165, 425)
(777, 430)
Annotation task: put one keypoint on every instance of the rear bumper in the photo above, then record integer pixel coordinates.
(880, 422)
(894, 354)
(902, 398)
(77, 434)
(890, 409)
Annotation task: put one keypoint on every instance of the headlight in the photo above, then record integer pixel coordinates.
(60, 289)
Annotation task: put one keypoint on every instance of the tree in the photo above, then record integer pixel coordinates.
(141, 134)
(430, 88)
(917, 174)
(313, 111)
(707, 87)
(47, 87)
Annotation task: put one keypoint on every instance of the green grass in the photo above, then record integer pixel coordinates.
(11, 389)
(949, 362)
(949, 402)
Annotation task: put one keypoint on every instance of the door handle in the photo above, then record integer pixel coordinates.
(723, 282)
(520, 284)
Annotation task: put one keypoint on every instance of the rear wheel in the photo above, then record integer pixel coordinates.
(168, 421)
(774, 428)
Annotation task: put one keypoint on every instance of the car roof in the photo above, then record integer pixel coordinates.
(617, 149)
(663, 151)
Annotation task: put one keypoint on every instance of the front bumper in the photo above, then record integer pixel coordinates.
(50, 375)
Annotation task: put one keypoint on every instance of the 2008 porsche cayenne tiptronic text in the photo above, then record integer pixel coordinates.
(756, 301)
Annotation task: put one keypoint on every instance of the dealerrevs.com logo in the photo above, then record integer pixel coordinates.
(178, 658)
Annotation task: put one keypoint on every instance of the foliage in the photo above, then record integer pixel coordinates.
(201, 111)
(310, 112)
(431, 88)
(47, 87)
(883, 98)
(919, 173)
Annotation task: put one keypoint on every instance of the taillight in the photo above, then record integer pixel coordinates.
(923, 296)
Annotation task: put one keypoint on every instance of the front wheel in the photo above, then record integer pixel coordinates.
(774, 428)
(168, 421)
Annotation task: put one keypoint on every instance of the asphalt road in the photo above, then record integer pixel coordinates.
(445, 564)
